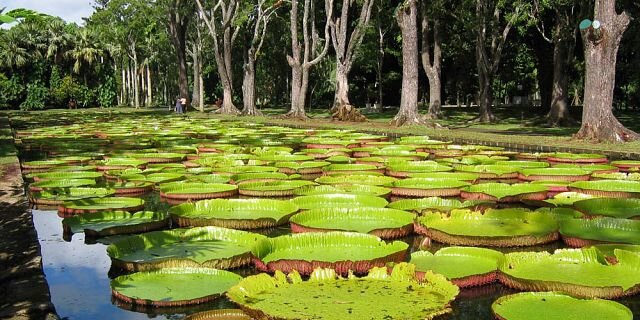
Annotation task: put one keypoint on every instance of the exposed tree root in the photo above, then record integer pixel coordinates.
(228, 109)
(296, 114)
(413, 120)
(347, 112)
(252, 112)
(613, 132)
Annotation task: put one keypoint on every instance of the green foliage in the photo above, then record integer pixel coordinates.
(106, 93)
(37, 95)
(10, 91)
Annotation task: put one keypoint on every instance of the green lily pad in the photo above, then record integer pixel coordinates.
(357, 179)
(460, 264)
(502, 228)
(382, 222)
(327, 296)
(614, 188)
(197, 190)
(582, 273)
(434, 203)
(557, 306)
(338, 201)
(461, 176)
(347, 188)
(115, 222)
(234, 213)
(211, 247)
(173, 286)
(220, 314)
(568, 198)
(58, 195)
(101, 204)
(610, 207)
(608, 230)
(503, 190)
(344, 251)
(66, 175)
(63, 183)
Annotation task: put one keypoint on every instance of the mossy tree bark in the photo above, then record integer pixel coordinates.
(601, 43)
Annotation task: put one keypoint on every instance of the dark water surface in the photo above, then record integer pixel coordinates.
(78, 277)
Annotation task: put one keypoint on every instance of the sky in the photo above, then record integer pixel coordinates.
(69, 10)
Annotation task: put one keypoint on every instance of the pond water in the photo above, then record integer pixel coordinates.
(78, 272)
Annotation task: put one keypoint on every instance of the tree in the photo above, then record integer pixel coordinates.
(432, 62)
(407, 17)
(601, 40)
(492, 28)
(179, 14)
(223, 30)
(260, 16)
(305, 55)
(346, 44)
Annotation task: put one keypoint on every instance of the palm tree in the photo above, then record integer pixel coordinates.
(85, 52)
(59, 40)
(13, 54)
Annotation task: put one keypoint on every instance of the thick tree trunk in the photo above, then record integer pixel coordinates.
(541, 49)
(249, 90)
(342, 86)
(601, 49)
(407, 20)
(178, 23)
(485, 98)
(559, 114)
(195, 95)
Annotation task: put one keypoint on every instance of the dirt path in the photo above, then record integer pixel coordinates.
(24, 293)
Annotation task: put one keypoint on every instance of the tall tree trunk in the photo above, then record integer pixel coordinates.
(485, 98)
(407, 17)
(195, 56)
(541, 49)
(136, 86)
(380, 63)
(179, 13)
(433, 69)
(601, 44)
(149, 87)
(123, 96)
(342, 86)
(249, 89)
(559, 115)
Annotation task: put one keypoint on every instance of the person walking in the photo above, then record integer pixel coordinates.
(179, 106)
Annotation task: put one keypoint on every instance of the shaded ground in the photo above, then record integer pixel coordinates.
(24, 293)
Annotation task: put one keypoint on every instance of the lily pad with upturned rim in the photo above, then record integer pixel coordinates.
(234, 213)
(579, 233)
(60, 184)
(357, 179)
(503, 192)
(57, 196)
(197, 191)
(278, 188)
(420, 187)
(581, 273)
(624, 208)
(343, 251)
(69, 208)
(464, 266)
(347, 188)
(495, 228)
(109, 223)
(382, 222)
(210, 247)
(608, 188)
(557, 306)
(220, 314)
(437, 204)
(173, 286)
(327, 296)
(338, 200)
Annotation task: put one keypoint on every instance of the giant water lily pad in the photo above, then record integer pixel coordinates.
(554, 174)
(584, 232)
(219, 314)
(579, 272)
(500, 228)
(610, 207)
(57, 196)
(68, 208)
(372, 180)
(383, 222)
(327, 296)
(211, 247)
(278, 188)
(403, 169)
(557, 306)
(343, 251)
(65, 175)
(234, 213)
(419, 187)
(505, 192)
(108, 223)
(173, 286)
(436, 203)
(346, 188)
(197, 190)
(337, 200)
(608, 188)
(60, 184)
(465, 266)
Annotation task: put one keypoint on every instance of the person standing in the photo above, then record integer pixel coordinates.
(183, 101)
(179, 106)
